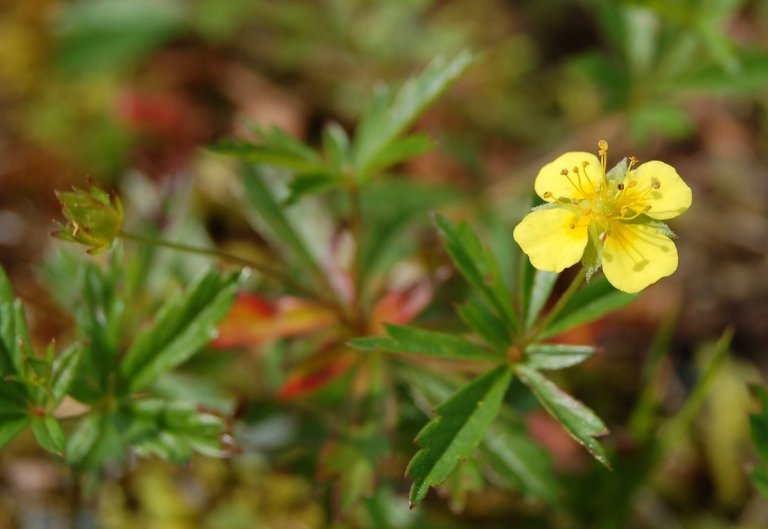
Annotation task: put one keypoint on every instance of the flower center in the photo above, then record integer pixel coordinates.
(616, 197)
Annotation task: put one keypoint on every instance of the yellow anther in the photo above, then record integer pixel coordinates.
(564, 172)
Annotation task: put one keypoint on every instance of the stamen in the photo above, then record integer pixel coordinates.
(602, 236)
(620, 187)
(632, 162)
(547, 194)
(602, 145)
(576, 185)
(655, 183)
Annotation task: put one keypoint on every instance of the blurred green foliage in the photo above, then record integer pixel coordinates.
(127, 92)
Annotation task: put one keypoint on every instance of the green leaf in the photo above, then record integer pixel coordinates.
(478, 266)
(556, 356)
(184, 324)
(520, 461)
(578, 420)
(759, 477)
(83, 438)
(49, 434)
(336, 147)
(264, 204)
(390, 207)
(173, 430)
(276, 155)
(15, 344)
(112, 34)
(543, 283)
(13, 396)
(457, 429)
(400, 150)
(11, 425)
(759, 423)
(750, 77)
(388, 117)
(65, 369)
(595, 300)
(99, 317)
(309, 183)
(478, 318)
(430, 343)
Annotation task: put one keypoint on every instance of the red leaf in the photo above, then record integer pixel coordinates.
(254, 320)
(317, 372)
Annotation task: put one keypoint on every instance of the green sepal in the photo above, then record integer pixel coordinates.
(94, 218)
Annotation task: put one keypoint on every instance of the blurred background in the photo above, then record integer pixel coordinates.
(129, 92)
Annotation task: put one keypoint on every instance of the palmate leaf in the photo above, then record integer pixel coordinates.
(184, 325)
(430, 343)
(478, 266)
(578, 420)
(387, 116)
(458, 427)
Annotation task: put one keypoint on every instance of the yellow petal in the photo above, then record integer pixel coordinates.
(635, 256)
(671, 198)
(549, 241)
(552, 184)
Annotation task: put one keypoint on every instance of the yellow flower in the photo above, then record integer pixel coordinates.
(611, 219)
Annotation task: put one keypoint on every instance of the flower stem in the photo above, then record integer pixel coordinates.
(259, 266)
(561, 303)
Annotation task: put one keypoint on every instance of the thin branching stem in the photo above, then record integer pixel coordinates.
(259, 266)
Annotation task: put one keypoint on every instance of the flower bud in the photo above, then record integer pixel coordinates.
(93, 218)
